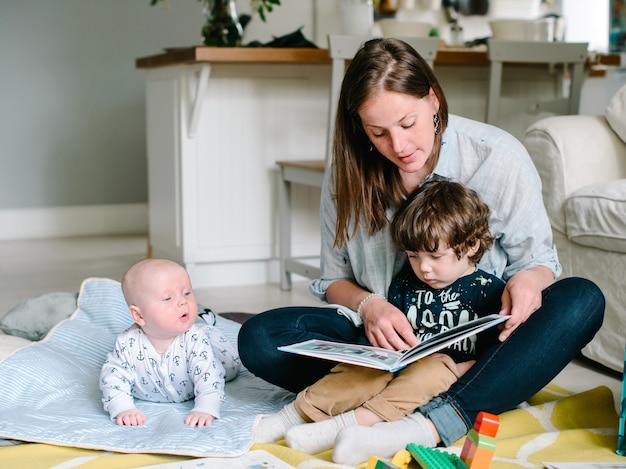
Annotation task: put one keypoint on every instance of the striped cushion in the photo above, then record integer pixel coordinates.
(49, 391)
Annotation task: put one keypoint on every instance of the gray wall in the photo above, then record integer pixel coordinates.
(72, 124)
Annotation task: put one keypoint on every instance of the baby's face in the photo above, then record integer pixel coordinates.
(167, 302)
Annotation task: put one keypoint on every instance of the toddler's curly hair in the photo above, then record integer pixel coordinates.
(442, 211)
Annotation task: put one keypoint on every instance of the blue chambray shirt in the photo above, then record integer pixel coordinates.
(490, 161)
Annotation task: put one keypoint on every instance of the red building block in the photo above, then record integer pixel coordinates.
(480, 443)
(487, 424)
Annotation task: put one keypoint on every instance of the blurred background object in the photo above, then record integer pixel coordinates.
(617, 28)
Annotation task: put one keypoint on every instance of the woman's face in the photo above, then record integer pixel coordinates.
(401, 128)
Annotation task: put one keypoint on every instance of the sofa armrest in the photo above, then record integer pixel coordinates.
(571, 152)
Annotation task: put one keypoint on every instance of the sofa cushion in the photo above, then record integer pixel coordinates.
(595, 216)
(616, 113)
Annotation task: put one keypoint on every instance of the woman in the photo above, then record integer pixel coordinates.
(392, 133)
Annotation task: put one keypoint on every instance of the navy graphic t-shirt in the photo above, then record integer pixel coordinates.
(431, 311)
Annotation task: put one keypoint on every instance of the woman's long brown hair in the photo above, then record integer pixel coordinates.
(365, 182)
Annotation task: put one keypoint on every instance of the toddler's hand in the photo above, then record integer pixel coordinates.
(130, 417)
(198, 419)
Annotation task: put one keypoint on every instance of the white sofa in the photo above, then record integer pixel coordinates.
(582, 164)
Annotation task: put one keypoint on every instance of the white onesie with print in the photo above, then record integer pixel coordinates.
(194, 366)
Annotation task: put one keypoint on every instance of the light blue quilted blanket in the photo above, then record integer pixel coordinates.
(49, 391)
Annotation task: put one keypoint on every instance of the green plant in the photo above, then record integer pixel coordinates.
(262, 7)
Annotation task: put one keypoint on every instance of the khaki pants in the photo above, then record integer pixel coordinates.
(389, 395)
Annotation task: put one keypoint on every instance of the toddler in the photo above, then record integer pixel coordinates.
(444, 229)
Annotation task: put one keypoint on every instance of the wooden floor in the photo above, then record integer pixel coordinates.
(32, 267)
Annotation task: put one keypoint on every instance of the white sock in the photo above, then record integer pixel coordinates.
(273, 427)
(356, 444)
(314, 437)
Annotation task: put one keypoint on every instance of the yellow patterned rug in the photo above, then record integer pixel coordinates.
(554, 425)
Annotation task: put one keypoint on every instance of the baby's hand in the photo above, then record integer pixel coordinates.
(199, 419)
(130, 417)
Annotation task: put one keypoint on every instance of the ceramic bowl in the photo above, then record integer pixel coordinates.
(523, 30)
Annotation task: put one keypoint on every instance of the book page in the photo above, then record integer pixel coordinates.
(446, 338)
(365, 355)
(390, 360)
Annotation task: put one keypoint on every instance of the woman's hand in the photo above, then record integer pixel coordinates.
(522, 297)
(386, 326)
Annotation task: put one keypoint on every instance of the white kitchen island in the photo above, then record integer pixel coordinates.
(219, 118)
(217, 121)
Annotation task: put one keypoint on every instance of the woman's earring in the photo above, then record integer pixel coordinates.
(436, 122)
(371, 147)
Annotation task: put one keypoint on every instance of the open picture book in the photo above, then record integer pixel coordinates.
(391, 360)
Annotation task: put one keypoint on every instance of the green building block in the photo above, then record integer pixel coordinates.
(482, 441)
(430, 458)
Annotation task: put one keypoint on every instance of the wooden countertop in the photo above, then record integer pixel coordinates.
(446, 55)
(176, 56)
(235, 55)
(459, 55)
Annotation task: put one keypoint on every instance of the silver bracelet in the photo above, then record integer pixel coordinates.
(366, 299)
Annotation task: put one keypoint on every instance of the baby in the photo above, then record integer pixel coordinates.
(165, 356)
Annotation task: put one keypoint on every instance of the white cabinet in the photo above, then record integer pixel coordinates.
(214, 132)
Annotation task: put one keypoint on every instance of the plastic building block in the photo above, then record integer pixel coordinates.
(480, 440)
(478, 450)
(376, 463)
(468, 451)
(480, 443)
(487, 424)
(480, 458)
(430, 458)
(402, 459)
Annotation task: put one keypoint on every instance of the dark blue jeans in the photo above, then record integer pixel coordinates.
(505, 374)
